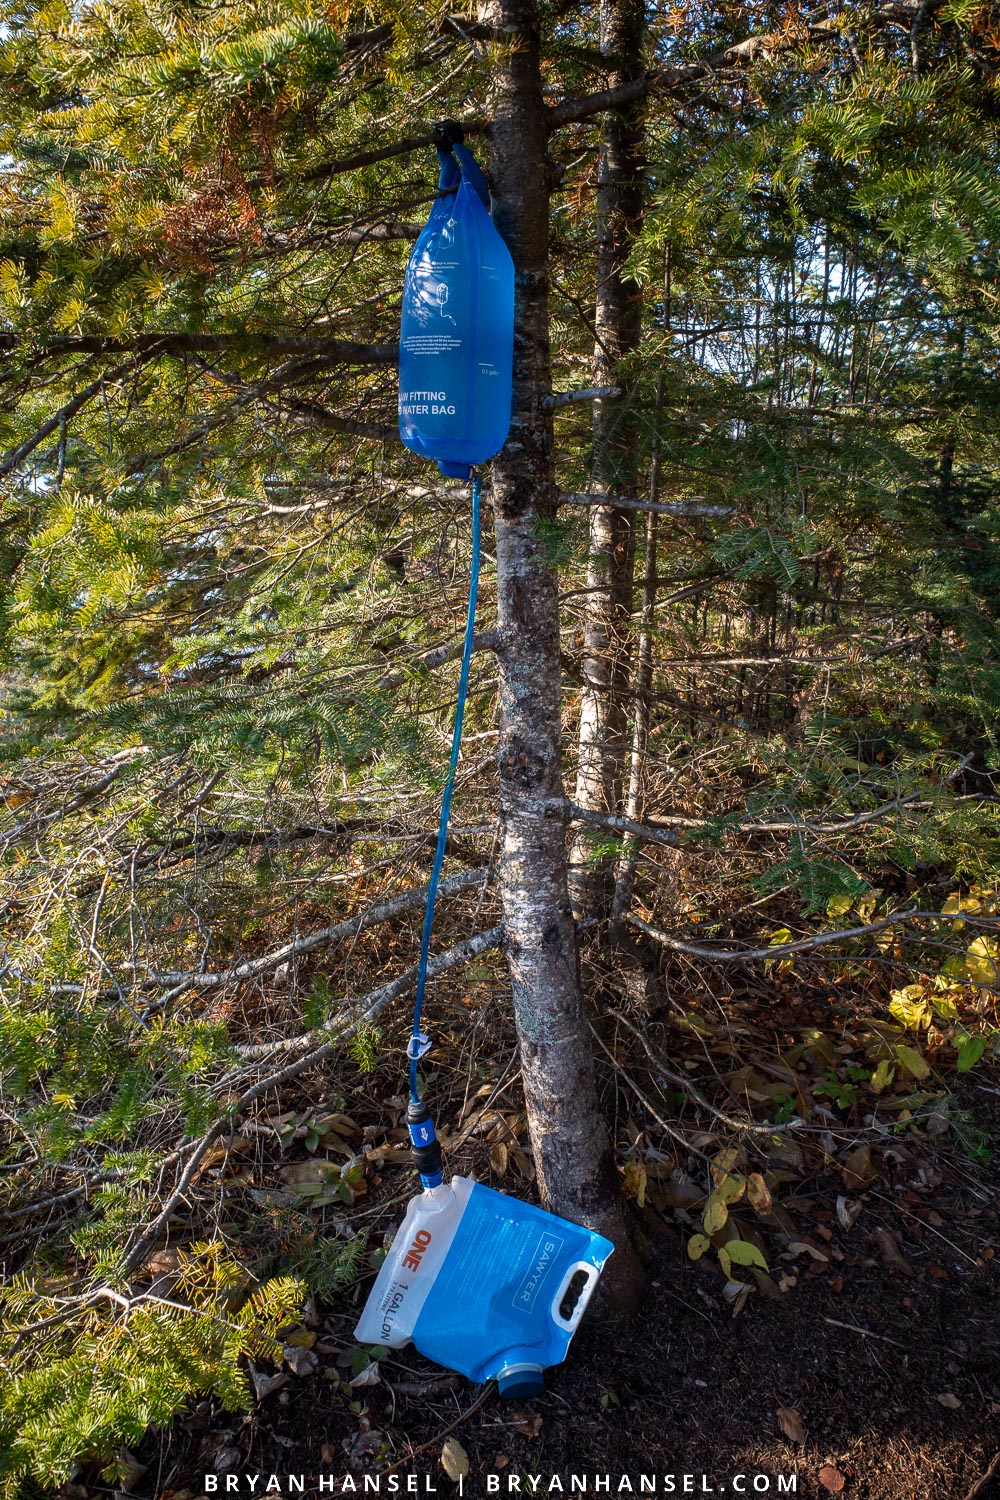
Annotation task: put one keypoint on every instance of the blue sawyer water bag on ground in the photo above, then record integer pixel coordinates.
(456, 342)
(484, 1284)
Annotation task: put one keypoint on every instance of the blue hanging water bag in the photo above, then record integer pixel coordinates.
(456, 342)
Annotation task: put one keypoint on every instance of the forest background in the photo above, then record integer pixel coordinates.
(762, 341)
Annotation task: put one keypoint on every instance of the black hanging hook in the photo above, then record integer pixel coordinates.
(448, 133)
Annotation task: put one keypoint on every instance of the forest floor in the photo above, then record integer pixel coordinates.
(866, 1363)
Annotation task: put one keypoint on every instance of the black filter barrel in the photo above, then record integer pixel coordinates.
(426, 1149)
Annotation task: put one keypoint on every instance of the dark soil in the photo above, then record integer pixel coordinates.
(891, 1365)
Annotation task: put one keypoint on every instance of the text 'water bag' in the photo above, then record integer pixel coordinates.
(484, 1284)
(456, 343)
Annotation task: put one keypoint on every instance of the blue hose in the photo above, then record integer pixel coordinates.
(417, 1042)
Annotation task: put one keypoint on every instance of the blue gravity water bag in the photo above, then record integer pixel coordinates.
(456, 342)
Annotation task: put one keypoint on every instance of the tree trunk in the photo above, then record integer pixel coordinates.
(572, 1152)
(635, 801)
(617, 327)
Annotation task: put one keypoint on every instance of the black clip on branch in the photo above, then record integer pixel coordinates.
(448, 133)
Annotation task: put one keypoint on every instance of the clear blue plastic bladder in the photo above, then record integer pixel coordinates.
(456, 344)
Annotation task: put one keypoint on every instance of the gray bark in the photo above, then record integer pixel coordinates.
(635, 800)
(617, 327)
(572, 1152)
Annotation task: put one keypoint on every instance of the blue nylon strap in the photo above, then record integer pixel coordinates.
(449, 787)
(474, 172)
(462, 164)
(451, 173)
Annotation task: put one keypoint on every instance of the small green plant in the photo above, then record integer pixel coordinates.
(785, 1108)
(102, 1365)
(843, 1095)
(356, 1369)
(728, 1188)
(363, 1047)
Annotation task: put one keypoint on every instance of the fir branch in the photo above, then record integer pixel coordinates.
(14, 457)
(801, 945)
(370, 1006)
(316, 346)
(351, 928)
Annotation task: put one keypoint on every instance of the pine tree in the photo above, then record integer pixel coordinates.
(231, 603)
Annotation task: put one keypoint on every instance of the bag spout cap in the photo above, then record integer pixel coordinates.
(519, 1382)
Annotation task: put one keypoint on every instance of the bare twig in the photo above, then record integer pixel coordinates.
(864, 1333)
(14, 456)
(802, 945)
(747, 1127)
(657, 507)
(433, 1442)
(329, 350)
(780, 950)
(377, 999)
(364, 1012)
(408, 901)
(624, 825)
(664, 1125)
(592, 393)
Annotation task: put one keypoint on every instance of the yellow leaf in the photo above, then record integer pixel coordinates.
(302, 1338)
(743, 1253)
(454, 1459)
(724, 1163)
(731, 1188)
(716, 1214)
(759, 1194)
(912, 1013)
(635, 1182)
(958, 903)
(945, 1007)
(697, 1245)
(982, 961)
(882, 1076)
(913, 1062)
